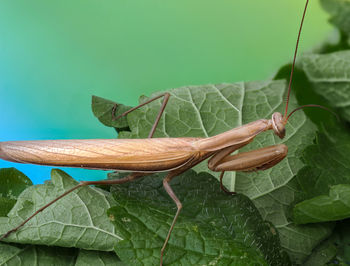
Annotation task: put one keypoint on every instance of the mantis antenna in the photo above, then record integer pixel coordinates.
(294, 59)
(285, 116)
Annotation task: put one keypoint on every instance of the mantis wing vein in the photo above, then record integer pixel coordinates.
(144, 155)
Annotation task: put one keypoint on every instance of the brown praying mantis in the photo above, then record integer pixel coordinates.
(146, 156)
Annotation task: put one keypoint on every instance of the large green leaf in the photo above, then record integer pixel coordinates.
(201, 111)
(213, 228)
(330, 77)
(77, 220)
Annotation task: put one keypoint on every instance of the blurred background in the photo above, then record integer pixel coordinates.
(55, 54)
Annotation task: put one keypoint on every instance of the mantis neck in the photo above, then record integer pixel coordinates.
(236, 136)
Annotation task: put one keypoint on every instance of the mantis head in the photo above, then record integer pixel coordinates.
(279, 124)
(279, 121)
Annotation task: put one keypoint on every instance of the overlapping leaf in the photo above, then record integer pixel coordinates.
(341, 239)
(98, 258)
(330, 77)
(78, 220)
(143, 211)
(328, 163)
(106, 112)
(17, 255)
(325, 180)
(35, 255)
(12, 183)
(213, 228)
(325, 208)
(335, 250)
(201, 111)
(324, 254)
(340, 14)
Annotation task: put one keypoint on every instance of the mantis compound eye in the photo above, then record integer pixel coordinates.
(278, 125)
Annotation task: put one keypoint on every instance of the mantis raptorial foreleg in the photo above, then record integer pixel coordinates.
(260, 159)
(247, 161)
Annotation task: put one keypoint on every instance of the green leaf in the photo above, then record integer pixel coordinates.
(340, 13)
(6, 205)
(324, 254)
(201, 111)
(341, 239)
(327, 172)
(36, 255)
(324, 208)
(40, 255)
(330, 77)
(12, 183)
(212, 229)
(305, 94)
(97, 258)
(335, 250)
(103, 109)
(77, 220)
(328, 163)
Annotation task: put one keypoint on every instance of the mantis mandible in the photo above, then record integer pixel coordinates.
(146, 156)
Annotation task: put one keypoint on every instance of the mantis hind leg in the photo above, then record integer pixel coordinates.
(160, 113)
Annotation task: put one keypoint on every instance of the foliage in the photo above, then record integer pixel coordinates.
(299, 207)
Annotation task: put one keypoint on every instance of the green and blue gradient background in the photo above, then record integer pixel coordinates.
(55, 54)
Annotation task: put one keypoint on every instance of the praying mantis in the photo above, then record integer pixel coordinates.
(146, 156)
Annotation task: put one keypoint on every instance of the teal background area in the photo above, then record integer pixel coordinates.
(55, 54)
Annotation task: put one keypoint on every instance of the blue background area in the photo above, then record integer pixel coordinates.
(55, 54)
